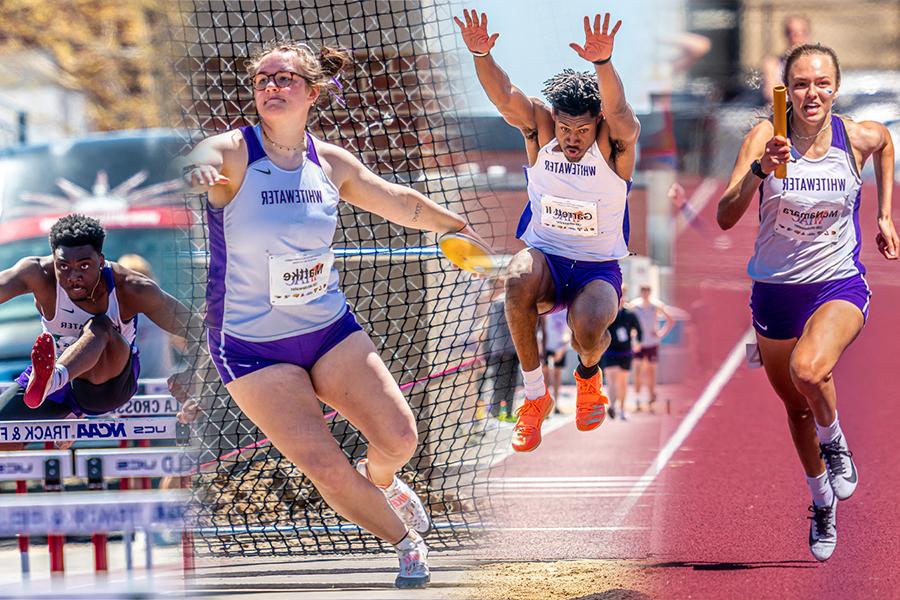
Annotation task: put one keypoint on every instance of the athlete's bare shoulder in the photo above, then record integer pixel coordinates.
(37, 271)
(866, 136)
(30, 274)
(338, 163)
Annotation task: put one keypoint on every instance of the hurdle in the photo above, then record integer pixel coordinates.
(94, 465)
(82, 513)
(50, 466)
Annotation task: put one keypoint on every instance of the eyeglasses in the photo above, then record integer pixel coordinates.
(281, 79)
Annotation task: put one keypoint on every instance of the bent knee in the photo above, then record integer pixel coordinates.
(809, 371)
(100, 326)
(401, 442)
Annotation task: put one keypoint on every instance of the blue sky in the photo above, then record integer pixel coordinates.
(535, 36)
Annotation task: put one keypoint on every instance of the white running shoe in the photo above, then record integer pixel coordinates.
(413, 555)
(841, 469)
(823, 530)
(404, 502)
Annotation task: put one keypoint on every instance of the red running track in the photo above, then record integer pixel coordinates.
(733, 523)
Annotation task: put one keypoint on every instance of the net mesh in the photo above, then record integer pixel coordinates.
(434, 326)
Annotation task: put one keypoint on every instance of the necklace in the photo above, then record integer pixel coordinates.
(291, 149)
(813, 136)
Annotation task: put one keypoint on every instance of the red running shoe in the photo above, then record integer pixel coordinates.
(43, 360)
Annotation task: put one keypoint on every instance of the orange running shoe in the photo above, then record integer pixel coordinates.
(590, 402)
(527, 432)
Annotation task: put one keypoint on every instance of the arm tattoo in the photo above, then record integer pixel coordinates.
(417, 212)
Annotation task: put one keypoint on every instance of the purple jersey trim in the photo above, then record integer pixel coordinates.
(311, 150)
(255, 150)
(218, 261)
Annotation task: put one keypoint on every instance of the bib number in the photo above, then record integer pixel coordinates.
(573, 217)
(801, 222)
(297, 279)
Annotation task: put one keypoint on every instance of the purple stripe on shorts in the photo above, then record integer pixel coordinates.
(570, 276)
(235, 357)
(781, 310)
(254, 148)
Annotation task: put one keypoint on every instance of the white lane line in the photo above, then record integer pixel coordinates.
(715, 385)
(513, 497)
(546, 429)
(697, 202)
(566, 486)
(606, 528)
(619, 478)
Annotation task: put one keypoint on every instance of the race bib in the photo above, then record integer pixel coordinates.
(574, 217)
(803, 222)
(297, 279)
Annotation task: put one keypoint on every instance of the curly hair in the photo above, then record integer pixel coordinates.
(77, 230)
(573, 93)
(318, 68)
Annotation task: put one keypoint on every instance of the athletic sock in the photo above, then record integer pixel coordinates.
(820, 488)
(586, 372)
(829, 433)
(534, 383)
(59, 378)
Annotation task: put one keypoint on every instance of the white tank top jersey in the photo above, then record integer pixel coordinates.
(69, 319)
(809, 221)
(271, 266)
(578, 210)
(648, 318)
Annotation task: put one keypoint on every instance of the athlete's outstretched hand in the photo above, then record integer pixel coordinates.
(887, 240)
(474, 32)
(202, 177)
(598, 42)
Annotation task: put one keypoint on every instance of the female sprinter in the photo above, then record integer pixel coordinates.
(810, 298)
(279, 328)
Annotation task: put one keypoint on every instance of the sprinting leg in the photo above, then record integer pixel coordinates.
(380, 411)
(529, 290)
(281, 401)
(590, 315)
(825, 336)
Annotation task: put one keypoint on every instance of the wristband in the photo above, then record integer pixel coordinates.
(602, 62)
(481, 54)
(756, 169)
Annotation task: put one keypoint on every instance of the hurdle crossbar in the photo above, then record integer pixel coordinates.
(136, 462)
(60, 430)
(91, 512)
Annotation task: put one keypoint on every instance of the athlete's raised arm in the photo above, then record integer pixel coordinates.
(19, 278)
(760, 145)
(624, 127)
(516, 108)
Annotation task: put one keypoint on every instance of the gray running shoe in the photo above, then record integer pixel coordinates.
(841, 469)
(413, 555)
(823, 530)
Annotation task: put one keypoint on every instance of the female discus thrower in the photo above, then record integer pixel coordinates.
(810, 299)
(279, 328)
